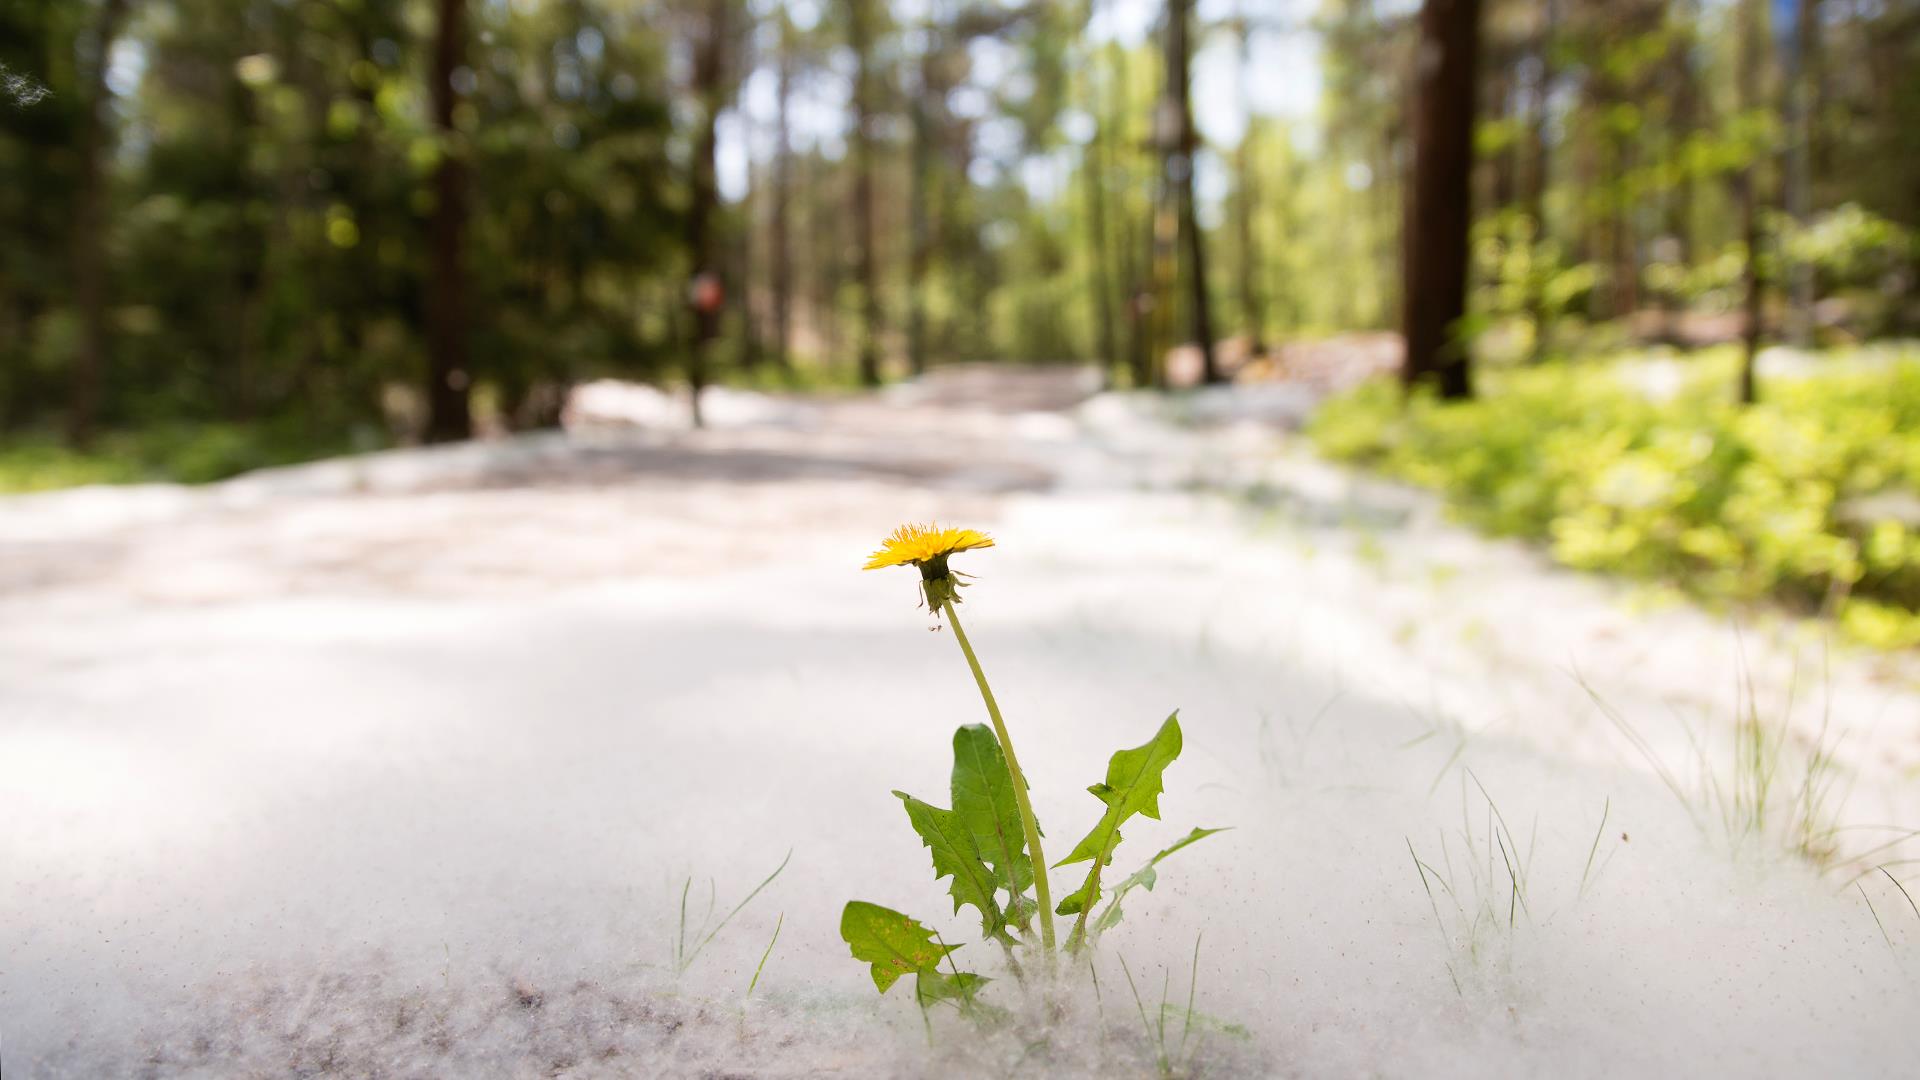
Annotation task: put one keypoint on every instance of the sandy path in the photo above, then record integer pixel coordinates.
(397, 767)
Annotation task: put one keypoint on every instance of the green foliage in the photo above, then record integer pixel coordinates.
(931, 987)
(984, 801)
(1856, 256)
(264, 234)
(893, 943)
(979, 843)
(1133, 785)
(1797, 498)
(980, 846)
(955, 856)
(1525, 275)
(180, 453)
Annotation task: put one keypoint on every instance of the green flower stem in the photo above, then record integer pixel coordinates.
(1027, 821)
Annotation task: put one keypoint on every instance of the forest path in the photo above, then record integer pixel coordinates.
(291, 756)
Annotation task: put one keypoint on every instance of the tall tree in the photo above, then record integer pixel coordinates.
(1439, 197)
(929, 93)
(860, 34)
(89, 211)
(1094, 169)
(782, 255)
(1180, 170)
(1540, 166)
(1252, 297)
(1748, 192)
(705, 292)
(448, 415)
(1802, 43)
(1682, 117)
(1135, 280)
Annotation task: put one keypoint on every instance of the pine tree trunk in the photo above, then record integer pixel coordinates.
(1134, 303)
(860, 39)
(1539, 172)
(1438, 198)
(919, 205)
(448, 416)
(89, 212)
(702, 236)
(1797, 190)
(1180, 165)
(1679, 201)
(1253, 305)
(1093, 169)
(782, 256)
(1749, 197)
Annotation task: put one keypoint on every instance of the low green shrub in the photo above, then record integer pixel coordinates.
(179, 453)
(1805, 497)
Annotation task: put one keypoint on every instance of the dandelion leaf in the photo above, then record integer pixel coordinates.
(956, 857)
(1020, 911)
(983, 797)
(1133, 785)
(934, 986)
(1146, 877)
(893, 943)
(1080, 899)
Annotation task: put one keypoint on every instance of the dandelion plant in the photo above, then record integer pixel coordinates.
(987, 845)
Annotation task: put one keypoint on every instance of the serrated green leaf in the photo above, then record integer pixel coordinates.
(1133, 786)
(893, 943)
(955, 856)
(983, 797)
(1146, 877)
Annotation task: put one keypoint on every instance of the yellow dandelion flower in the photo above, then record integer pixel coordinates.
(927, 547)
(922, 544)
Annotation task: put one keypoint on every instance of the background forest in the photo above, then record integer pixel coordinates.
(244, 230)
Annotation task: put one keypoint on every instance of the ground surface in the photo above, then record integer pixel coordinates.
(398, 766)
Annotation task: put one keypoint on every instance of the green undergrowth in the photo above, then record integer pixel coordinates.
(1810, 498)
(177, 453)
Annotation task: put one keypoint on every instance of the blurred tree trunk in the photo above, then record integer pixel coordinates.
(704, 292)
(1623, 249)
(1678, 226)
(1499, 185)
(921, 105)
(825, 257)
(1533, 192)
(1180, 169)
(1750, 48)
(1438, 197)
(448, 416)
(782, 256)
(1797, 191)
(860, 40)
(1134, 303)
(1253, 306)
(1093, 168)
(1163, 234)
(1540, 168)
(89, 213)
(249, 241)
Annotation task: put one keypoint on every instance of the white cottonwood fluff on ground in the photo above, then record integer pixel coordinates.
(406, 780)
